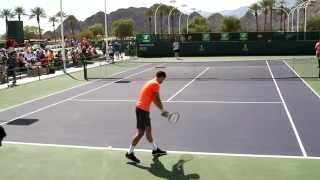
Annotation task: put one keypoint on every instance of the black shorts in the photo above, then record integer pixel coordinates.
(176, 51)
(143, 119)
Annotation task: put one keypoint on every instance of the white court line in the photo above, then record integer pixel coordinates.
(288, 114)
(207, 102)
(62, 91)
(110, 148)
(101, 100)
(43, 97)
(187, 85)
(226, 102)
(307, 84)
(78, 95)
(239, 67)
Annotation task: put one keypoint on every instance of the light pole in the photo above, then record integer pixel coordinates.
(192, 10)
(169, 16)
(297, 8)
(106, 27)
(63, 55)
(169, 26)
(303, 6)
(155, 18)
(306, 13)
(292, 14)
(181, 14)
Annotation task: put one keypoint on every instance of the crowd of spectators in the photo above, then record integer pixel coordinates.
(48, 57)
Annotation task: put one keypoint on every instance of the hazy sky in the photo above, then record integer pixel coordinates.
(85, 8)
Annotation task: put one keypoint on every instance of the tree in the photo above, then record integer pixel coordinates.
(264, 4)
(6, 14)
(314, 24)
(281, 4)
(255, 9)
(30, 32)
(86, 33)
(123, 28)
(303, 9)
(198, 24)
(97, 29)
(38, 13)
(72, 20)
(174, 14)
(19, 11)
(271, 4)
(149, 14)
(164, 11)
(230, 24)
(53, 20)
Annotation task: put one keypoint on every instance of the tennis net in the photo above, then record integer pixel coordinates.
(213, 70)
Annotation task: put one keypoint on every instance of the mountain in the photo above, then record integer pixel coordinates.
(205, 14)
(236, 12)
(136, 14)
(142, 23)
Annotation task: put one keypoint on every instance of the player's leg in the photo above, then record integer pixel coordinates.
(156, 151)
(141, 126)
(138, 137)
(130, 154)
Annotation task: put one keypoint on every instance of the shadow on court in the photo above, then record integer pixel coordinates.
(159, 170)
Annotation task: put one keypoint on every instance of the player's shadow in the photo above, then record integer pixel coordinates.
(159, 170)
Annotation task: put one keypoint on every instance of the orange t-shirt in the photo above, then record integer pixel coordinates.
(147, 94)
(317, 48)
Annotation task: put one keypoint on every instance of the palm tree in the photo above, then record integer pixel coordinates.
(38, 13)
(282, 4)
(149, 14)
(19, 11)
(255, 9)
(6, 14)
(264, 4)
(271, 4)
(72, 21)
(53, 20)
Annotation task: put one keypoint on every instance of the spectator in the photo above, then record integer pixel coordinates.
(111, 52)
(3, 60)
(176, 49)
(2, 134)
(317, 48)
(50, 57)
(29, 56)
(43, 58)
(116, 47)
(21, 62)
(12, 65)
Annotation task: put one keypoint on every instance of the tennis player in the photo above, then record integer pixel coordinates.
(148, 94)
(317, 48)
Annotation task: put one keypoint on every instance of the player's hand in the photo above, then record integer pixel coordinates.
(165, 113)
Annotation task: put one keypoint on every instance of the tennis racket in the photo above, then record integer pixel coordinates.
(173, 118)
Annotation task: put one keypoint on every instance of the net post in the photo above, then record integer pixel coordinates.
(85, 72)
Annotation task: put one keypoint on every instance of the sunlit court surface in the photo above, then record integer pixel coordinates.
(246, 95)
